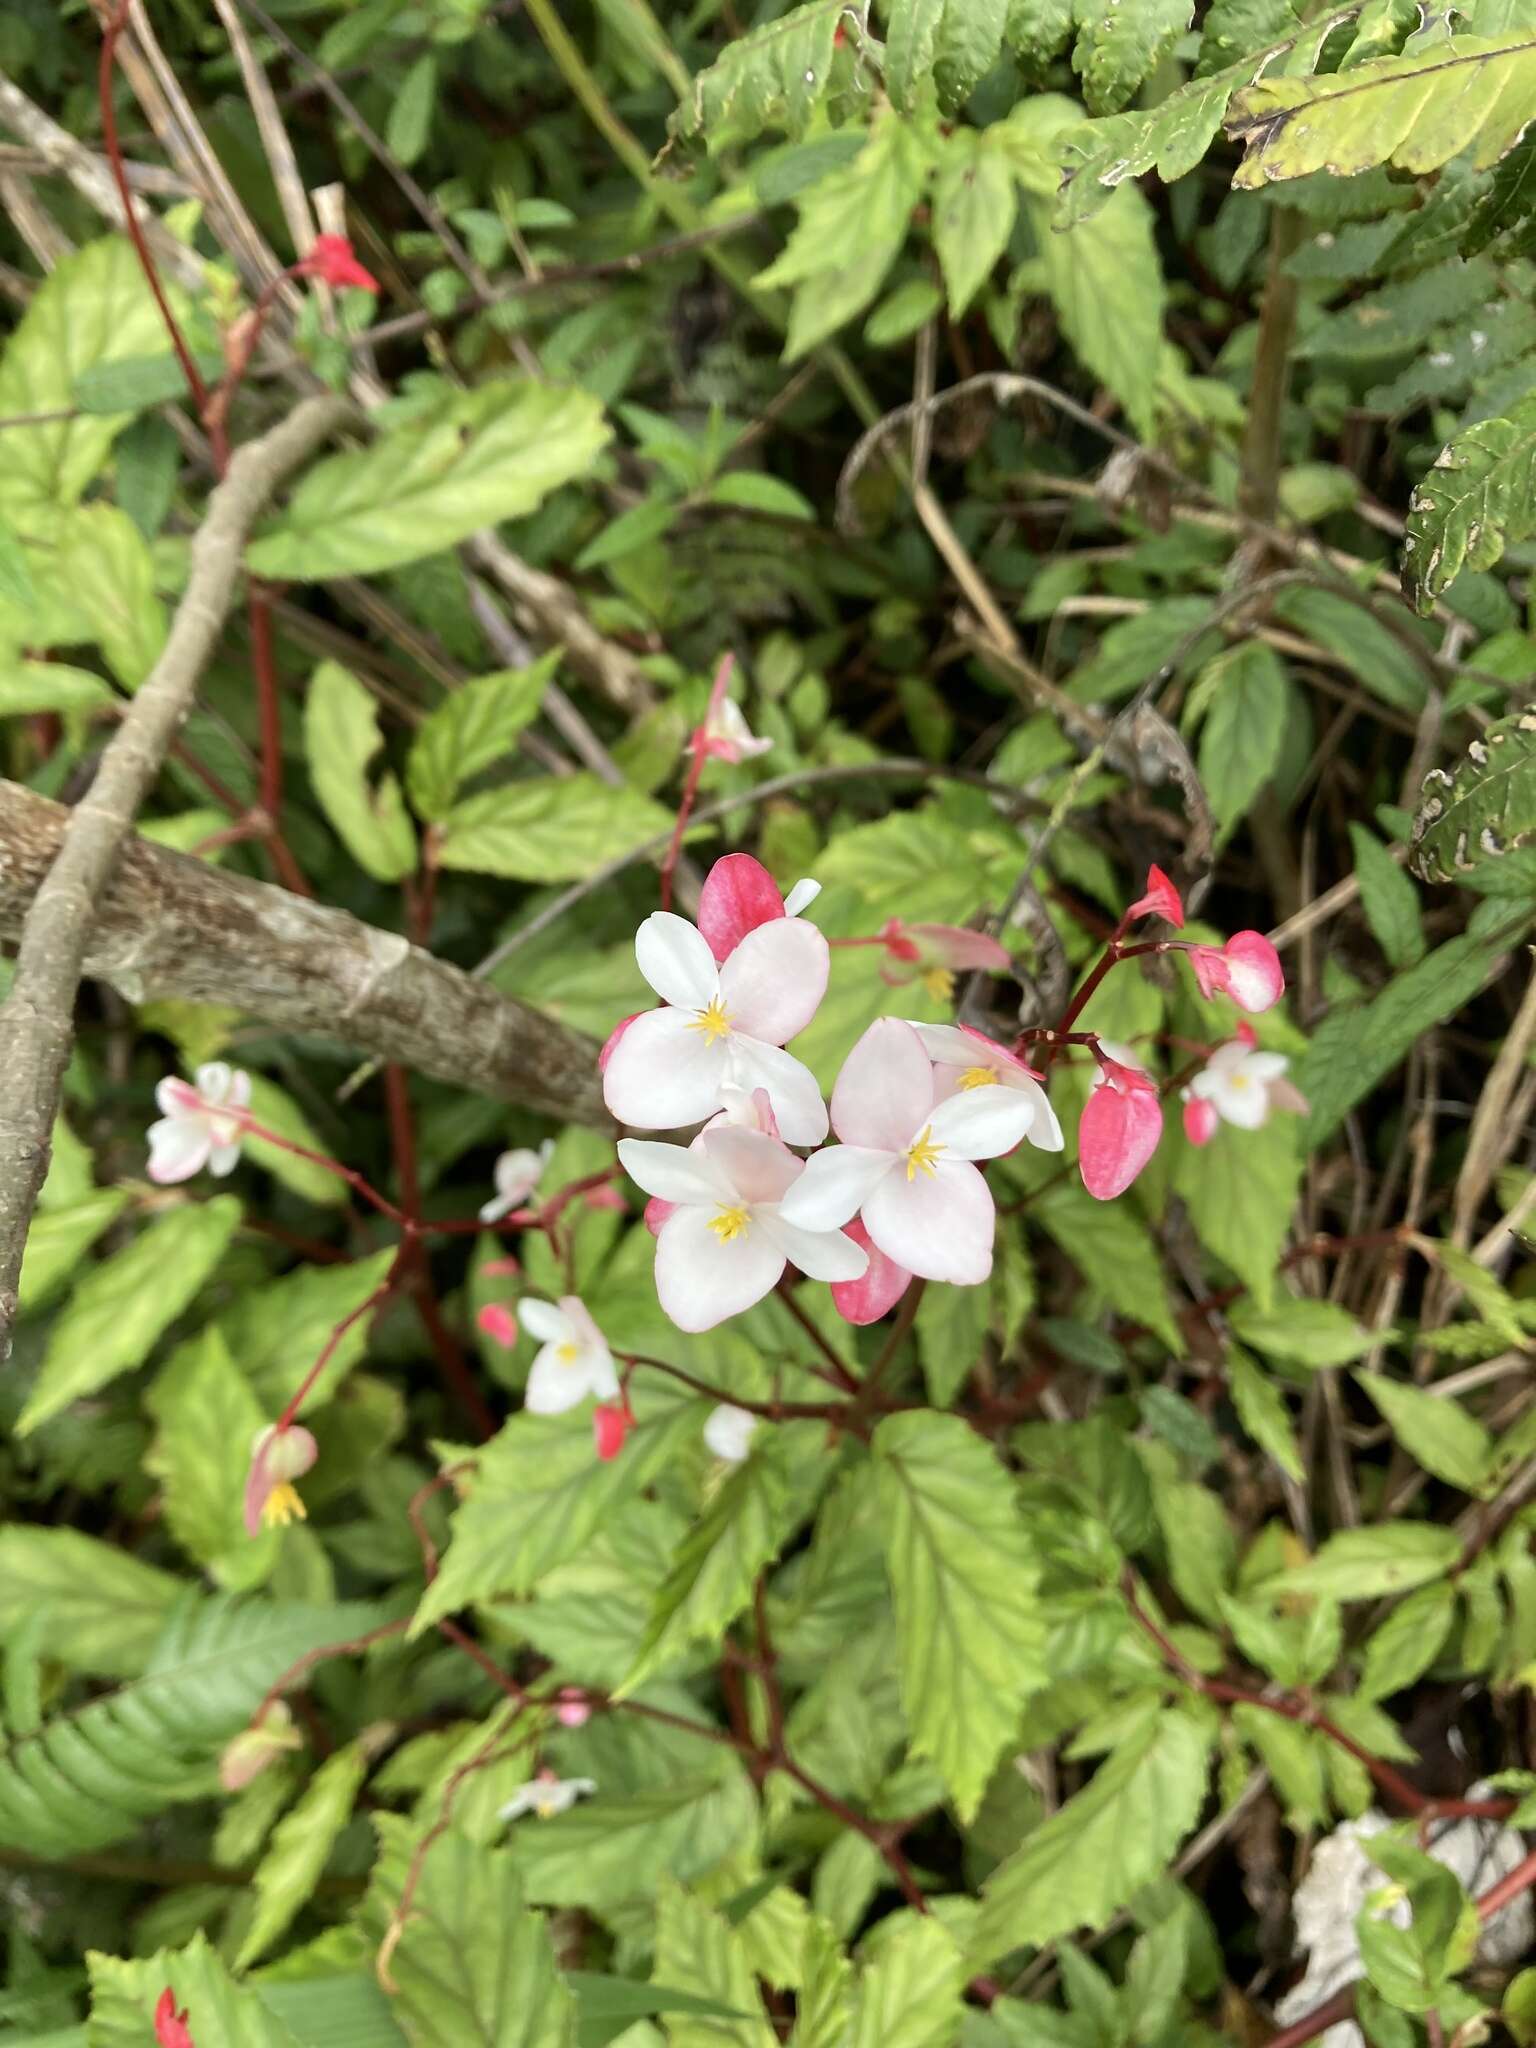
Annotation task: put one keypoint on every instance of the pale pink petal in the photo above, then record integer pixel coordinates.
(1284, 1094)
(543, 1320)
(1239, 1100)
(756, 1167)
(214, 1081)
(700, 1280)
(954, 946)
(240, 1092)
(820, 1254)
(774, 981)
(1117, 1136)
(1161, 899)
(1210, 965)
(950, 1045)
(1045, 1132)
(1255, 978)
(579, 1316)
(223, 1159)
(656, 1213)
(884, 1094)
(174, 1097)
(675, 960)
(728, 1432)
(663, 1074)
(791, 1088)
(610, 1043)
(939, 1225)
(836, 1184)
(1200, 1120)
(738, 895)
(867, 1300)
(178, 1148)
(554, 1383)
(983, 1123)
(1265, 1066)
(675, 1172)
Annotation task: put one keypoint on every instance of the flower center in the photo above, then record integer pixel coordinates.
(922, 1153)
(282, 1506)
(1239, 1080)
(729, 1224)
(568, 1353)
(978, 1077)
(713, 1022)
(940, 984)
(546, 1809)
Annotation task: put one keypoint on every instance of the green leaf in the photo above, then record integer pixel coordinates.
(1478, 497)
(1310, 1333)
(1482, 808)
(1094, 1853)
(1100, 156)
(113, 1318)
(963, 1575)
(301, 1843)
(956, 42)
(912, 1995)
(1362, 1564)
(125, 1992)
(1241, 1190)
(59, 1239)
(974, 206)
(471, 730)
(1112, 1250)
(756, 491)
(93, 1775)
(1117, 47)
(823, 2001)
(112, 579)
(1407, 1642)
(607, 2007)
(1436, 1432)
(556, 829)
(276, 1332)
(409, 128)
(105, 1607)
(1388, 898)
(208, 1417)
(698, 1951)
(28, 686)
(775, 77)
(470, 460)
(134, 383)
(1262, 1411)
(341, 737)
(1415, 111)
(633, 529)
(1244, 730)
(609, 1850)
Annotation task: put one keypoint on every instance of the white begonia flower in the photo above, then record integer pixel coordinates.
(966, 1059)
(1245, 1086)
(194, 1130)
(726, 1240)
(516, 1175)
(573, 1361)
(546, 1795)
(904, 1161)
(728, 1432)
(723, 1027)
(726, 734)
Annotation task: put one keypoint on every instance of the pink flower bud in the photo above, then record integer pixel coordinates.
(494, 1269)
(605, 1198)
(882, 1285)
(1247, 968)
(332, 260)
(572, 1707)
(497, 1322)
(1200, 1119)
(1161, 899)
(610, 1426)
(171, 2030)
(1121, 1124)
(738, 895)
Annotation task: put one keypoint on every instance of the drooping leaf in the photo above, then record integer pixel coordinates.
(1407, 1642)
(775, 77)
(471, 730)
(59, 1238)
(1482, 808)
(276, 1332)
(341, 737)
(300, 1844)
(548, 829)
(1262, 1411)
(1117, 47)
(1241, 1190)
(1388, 898)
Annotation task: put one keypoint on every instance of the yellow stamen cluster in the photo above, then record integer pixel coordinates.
(730, 1224)
(978, 1077)
(922, 1153)
(940, 984)
(282, 1506)
(567, 1353)
(713, 1022)
(546, 1809)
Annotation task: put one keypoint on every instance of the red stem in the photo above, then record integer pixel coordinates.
(385, 1286)
(268, 702)
(690, 791)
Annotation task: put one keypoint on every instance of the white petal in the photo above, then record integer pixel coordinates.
(543, 1320)
(598, 1372)
(947, 1045)
(178, 1146)
(938, 1225)
(792, 1088)
(775, 979)
(674, 1172)
(214, 1079)
(223, 1159)
(982, 1123)
(756, 1167)
(835, 1185)
(820, 1254)
(884, 1094)
(555, 1383)
(1266, 1066)
(492, 1212)
(728, 1432)
(675, 959)
(175, 1097)
(1240, 1101)
(240, 1093)
(801, 897)
(521, 1802)
(1226, 1058)
(663, 1074)
(701, 1281)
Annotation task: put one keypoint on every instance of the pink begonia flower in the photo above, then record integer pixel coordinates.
(610, 1428)
(171, 2029)
(746, 1111)
(723, 1026)
(572, 1707)
(250, 1752)
(934, 953)
(867, 1300)
(194, 1132)
(278, 1457)
(1247, 968)
(332, 260)
(729, 1432)
(904, 1163)
(738, 895)
(1161, 899)
(546, 1795)
(1239, 1085)
(516, 1175)
(1121, 1124)
(727, 1241)
(497, 1322)
(574, 1360)
(967, 1059)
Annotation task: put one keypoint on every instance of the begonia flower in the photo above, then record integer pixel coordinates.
(171, 2029)
(867, 1299)
(248, 1754)
(725, 734)
(497, 1322)
(546, 1795)
(747, 1111)
(1239, 1085)
(1121, 1124)
(723, 1025)
(572, 1707)
(195, 1129)
(727, 1241)
(935, 953)
(573, 1361)
(278, 1457)
(611, 1424)
(904, 1163)
(1247, 968)
(739, 895)
(1161, 899)
(516, 1175)
(332, 259)
(966, 1059)
(729, 1431)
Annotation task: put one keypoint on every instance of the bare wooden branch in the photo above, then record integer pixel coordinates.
(173, 926)
(36, 1020)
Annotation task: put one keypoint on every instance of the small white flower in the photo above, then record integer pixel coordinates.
(574, 1360)
(546, 1795)
(964, 1059)
(194, 1131)
(1244, 1086)
(726, 735)
(516, 1175)
(728, 1432)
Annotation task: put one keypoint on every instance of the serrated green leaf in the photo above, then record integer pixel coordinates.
(125, 1992)
(105, 1608)
(471, 730)
(1244, 730)
(964, 1579)
(1482, 808)
(608, 1850)
(953, 42)
(1310, 1333)
(974, 205)
(1438, 1433)
(1241, 1190)
(1262, 1411)
(409, 128)
(276, 1332)
(58, 1241)
(1097, 157)
(1388, 898)
(472, 459)
(134, 383)
(276, 1109)
(113, 1318)
(112, 579)
(1362, 1564)
(556, 829)
(1407, 1642)
(774, 77)
(28, 686)
(1478, 497)
(208, 1417)
(1112, 1250)
(1117, 47)
(300, 1845)
(912, 1994)
(341, 737)
(698, 1951)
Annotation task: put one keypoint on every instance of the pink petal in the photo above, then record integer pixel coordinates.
(1210, 965)
(759, 1168)
(939, 1225)
(897, 944)
(701, 1280)
(497, 1322)
(953, 946)
(773, 982)
(605, 1198)
(1117, 1136)
(610, 1426)
(1161, 899)
(738, 895)
(885, 1090)
(610, 1043)
(1255, 978)
(656, 1213)
(572, 1707)
(866, 1300)
(1200, 1119)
